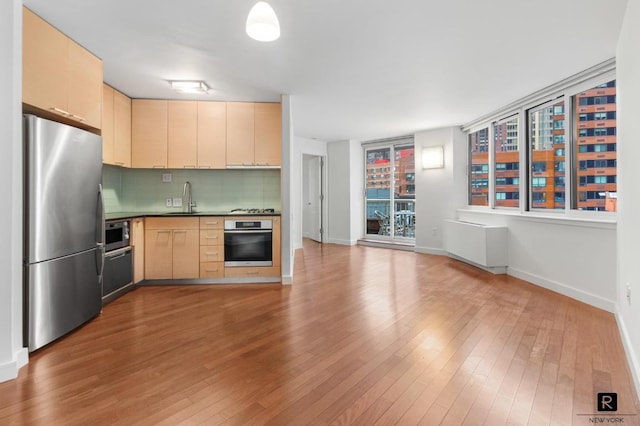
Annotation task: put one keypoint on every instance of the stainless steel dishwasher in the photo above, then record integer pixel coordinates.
(118, 273)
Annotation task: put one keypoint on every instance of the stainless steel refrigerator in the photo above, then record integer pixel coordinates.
(64, 253)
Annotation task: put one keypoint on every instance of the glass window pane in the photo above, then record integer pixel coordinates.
(404, 192)
(378, 189)
(595, 150)
(507, 159)
(546, 141)
(479, 176)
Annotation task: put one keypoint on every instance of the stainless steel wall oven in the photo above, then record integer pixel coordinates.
(248, 242)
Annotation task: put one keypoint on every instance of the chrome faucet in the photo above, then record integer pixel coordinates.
(190, 203)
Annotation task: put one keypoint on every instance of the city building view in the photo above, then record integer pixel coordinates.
(387, 168)
(594, 182)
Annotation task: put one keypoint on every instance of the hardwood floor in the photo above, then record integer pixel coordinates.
(364, 336)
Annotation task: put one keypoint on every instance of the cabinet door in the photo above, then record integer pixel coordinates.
(85, 86)
(268, 134)
(212, 135)
(44, 65)
(158, 262)
(137, 241)
(182, 134)
(240, 134)
(186, 259)
(122, 129)
(107, 125)
(148, 133)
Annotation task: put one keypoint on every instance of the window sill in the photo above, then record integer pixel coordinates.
(541, 217)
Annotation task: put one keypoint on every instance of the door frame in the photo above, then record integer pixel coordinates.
(323, 214)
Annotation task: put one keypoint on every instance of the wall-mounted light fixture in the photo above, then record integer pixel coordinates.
(433, 157)
(262, 23)
(185, 86)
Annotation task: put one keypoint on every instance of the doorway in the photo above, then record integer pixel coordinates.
(313, 197)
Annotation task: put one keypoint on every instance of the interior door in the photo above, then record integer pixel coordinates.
(313, 197)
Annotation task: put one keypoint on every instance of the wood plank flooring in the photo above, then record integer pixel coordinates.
(365, 336)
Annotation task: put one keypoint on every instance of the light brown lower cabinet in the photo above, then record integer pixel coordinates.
(171, 248)
(137, 241)
(252, 272)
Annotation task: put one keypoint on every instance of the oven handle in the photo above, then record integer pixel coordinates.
(248, 231)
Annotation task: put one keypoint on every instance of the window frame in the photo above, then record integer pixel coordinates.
(566, 90)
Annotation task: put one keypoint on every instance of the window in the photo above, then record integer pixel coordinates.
(570, 150)
(390, 199)
(479, 159)
(506, 148)
(542, 147)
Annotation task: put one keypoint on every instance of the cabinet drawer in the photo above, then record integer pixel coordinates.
(248, 272)
(211, 269)
(211, 253)
(172, 223)
(211, 222)
(211, 237)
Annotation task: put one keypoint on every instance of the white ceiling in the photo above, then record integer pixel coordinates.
(356, 69)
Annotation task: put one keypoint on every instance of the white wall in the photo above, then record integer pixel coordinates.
(439, 192)
(559, 254)
(628, 69)
(345, 199)
(12, 354)
(301, 147)
(288, 184)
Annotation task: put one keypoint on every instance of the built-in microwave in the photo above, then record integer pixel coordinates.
(116, 234)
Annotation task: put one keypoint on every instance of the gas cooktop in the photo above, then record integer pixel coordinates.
(252, 211)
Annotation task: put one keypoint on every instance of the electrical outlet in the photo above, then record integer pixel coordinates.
(629, 293)
(177, 202)
(169, 202)
(166, 177)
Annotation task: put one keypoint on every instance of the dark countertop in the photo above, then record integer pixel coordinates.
(177, 213)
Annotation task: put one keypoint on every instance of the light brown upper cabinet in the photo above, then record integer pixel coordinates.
(116, 128)
(107, 125)
(122, 129)
(254, 134)
(60, 78)
(148, 133)
(182, 134)
(212, 134)
(240, 134)
(268, 134)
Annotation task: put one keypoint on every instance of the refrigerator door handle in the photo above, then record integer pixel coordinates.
(100, 240)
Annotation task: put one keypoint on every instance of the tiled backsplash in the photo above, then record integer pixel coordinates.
(132, 190)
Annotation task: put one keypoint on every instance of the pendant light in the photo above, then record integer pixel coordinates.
(262, 23)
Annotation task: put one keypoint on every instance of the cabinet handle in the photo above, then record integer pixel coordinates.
(211, 270)
(204, 167)
(60, 111)
(189, 167)
(162, 231)
(211, 223)
(77, 117)
(118, 163)
(215, 237)
(211, 254)
(180, 230)
(156, 166)
(253, 273)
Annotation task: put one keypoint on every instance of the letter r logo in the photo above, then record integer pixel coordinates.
(608, 401)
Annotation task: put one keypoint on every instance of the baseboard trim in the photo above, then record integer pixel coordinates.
(431, 250)
(9, 371)
(386, 244)
(632, 358)
(342, 242)
(582, 296)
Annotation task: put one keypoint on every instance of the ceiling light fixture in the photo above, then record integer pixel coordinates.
(185, 86)
(262, 23)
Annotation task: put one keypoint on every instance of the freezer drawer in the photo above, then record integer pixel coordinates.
(61, 294)
(118, 271)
